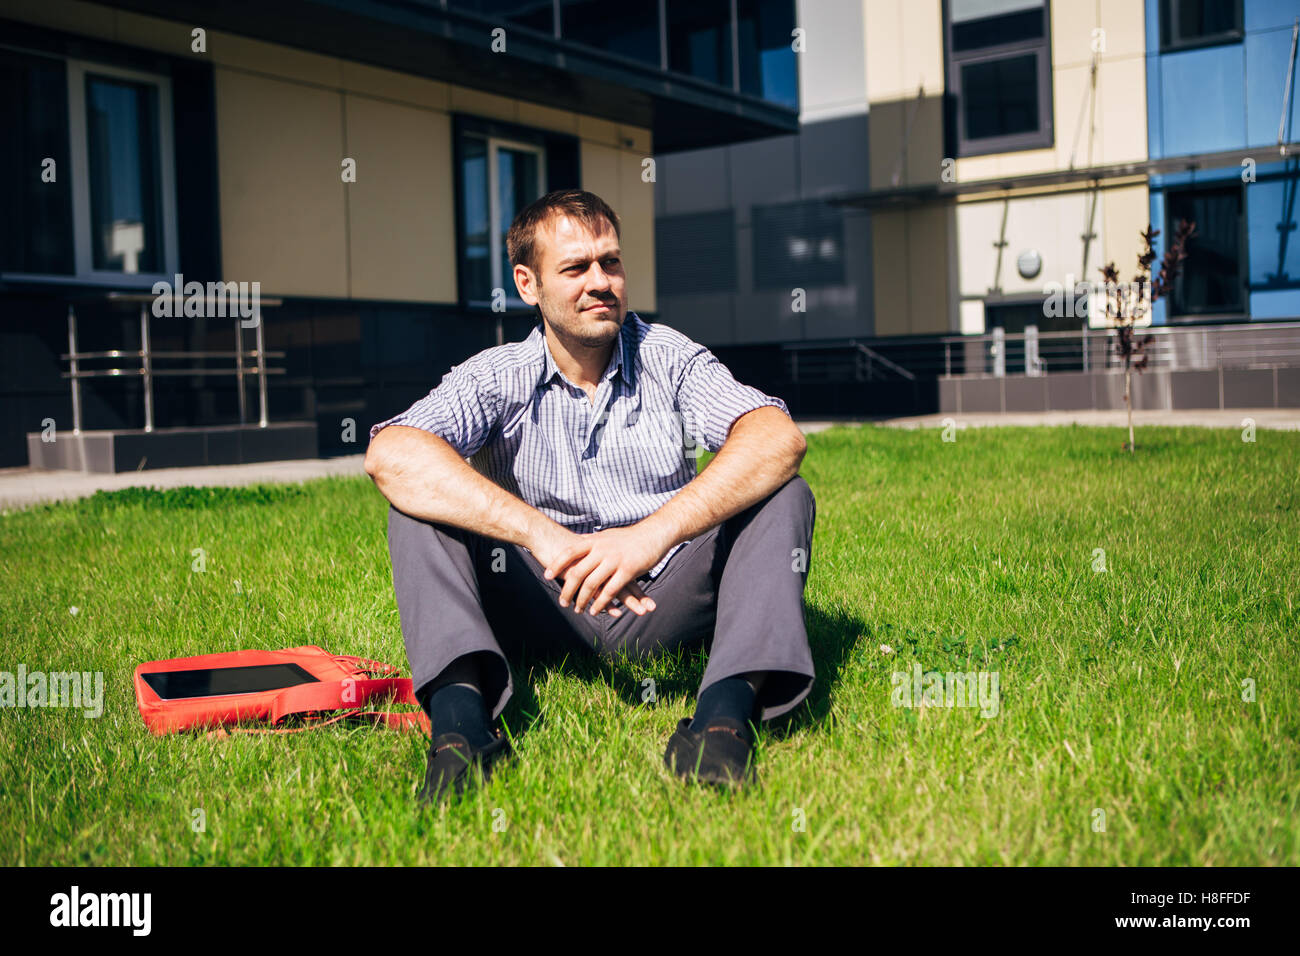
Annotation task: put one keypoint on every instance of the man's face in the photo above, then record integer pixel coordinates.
(580, 286)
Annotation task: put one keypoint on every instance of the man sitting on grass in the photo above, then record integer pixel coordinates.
(583, 495)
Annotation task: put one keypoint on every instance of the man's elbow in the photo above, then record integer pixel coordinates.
(799, 447)
(375, 461)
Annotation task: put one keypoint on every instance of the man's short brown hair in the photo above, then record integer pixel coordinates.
(587, 208)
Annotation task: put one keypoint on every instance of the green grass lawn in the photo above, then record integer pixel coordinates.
(1121, 690)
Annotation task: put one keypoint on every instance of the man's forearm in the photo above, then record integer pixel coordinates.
(424, 477)
(762, 452)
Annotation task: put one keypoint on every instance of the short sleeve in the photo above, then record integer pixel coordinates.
(462, 411)
(710, 399)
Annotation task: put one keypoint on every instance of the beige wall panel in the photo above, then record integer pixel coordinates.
(925, 144)
(401, 212)
(1125, 25)
(1128, 213)
(635, 138)
(1122, 102)
(598, 130)
(391, 85)
(884, 27)
(1072, 217)
(546, 117)
(600, 172)
(972, 318)
(886, 121)
(890, 285)
(922, 43)
(279, 146)
(927, 269)
(996, 165)
(636, 213)
(1072, 23)
(227, 49)
(978, 224)
(1070, 95)
(484, 104)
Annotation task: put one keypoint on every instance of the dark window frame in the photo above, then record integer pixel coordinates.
(95, 59)
(1173, 317)
(958, 144)
(563, 171)
(1168, 14)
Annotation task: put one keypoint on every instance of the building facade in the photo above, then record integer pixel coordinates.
(973, 167)
(360, 162)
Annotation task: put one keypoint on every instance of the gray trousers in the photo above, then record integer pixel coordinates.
(739, 586)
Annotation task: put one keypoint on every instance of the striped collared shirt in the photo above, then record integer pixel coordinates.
(589, 466)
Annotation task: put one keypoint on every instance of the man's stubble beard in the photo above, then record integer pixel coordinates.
(565, 329)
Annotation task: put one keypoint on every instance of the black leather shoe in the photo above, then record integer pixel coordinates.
(721, 755)
(450, 759)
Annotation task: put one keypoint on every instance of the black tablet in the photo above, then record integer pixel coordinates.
(220, 681)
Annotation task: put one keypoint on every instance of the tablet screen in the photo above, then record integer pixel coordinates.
(219, 681)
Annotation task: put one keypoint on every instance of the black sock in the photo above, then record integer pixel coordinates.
(459, 708)
(732, 697)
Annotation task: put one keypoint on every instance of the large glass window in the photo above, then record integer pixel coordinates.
(499, 177)
(537, 14)
(1185, 24)
(699, 39)
(999, 75)
(1213, 276)
(767, 57)
(126, 232)
(629, 28)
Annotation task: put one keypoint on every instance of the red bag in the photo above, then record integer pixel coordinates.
(220, 690)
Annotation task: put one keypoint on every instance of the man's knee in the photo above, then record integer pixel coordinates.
(799, 492)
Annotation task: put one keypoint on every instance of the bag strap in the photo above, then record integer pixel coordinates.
(366, 664)
(349, 696)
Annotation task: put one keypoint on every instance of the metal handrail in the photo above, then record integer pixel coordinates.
(1271, 345)
(863, 357)
(147, 356)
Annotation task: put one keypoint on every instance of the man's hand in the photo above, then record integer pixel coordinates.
(598, 567)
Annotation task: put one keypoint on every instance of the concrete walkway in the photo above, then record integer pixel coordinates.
(22, 487)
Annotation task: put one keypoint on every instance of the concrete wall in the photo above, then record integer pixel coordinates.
(1159, 389)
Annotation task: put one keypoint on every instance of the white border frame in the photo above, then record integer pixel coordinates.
(494, 143)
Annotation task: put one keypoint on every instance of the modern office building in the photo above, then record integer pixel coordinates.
(359, 161)
(973, 163)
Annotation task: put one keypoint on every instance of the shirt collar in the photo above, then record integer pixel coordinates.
(620, 361)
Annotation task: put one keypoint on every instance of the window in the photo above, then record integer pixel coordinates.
(628, 28)
(798, 244)
(767, 57)
(699, 39)
(501, 177)
(501, 168)
(1212, 279)
(537, 14)
(999, 75)
(1185, 24)
(108, 215)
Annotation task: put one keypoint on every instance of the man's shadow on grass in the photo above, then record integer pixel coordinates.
(832, 635)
